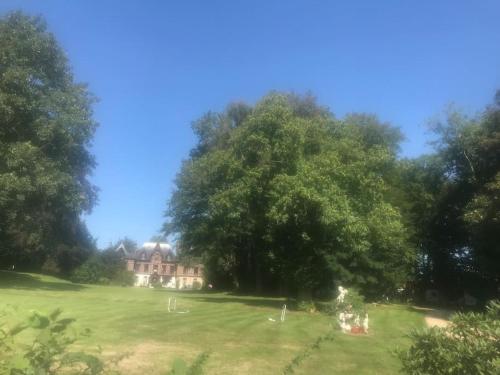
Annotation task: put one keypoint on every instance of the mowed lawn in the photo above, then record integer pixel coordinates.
(235, 329)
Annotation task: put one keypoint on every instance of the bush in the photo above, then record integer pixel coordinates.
(103, 268)
(89, 272)
(156, 284)
(103, 281)
(469, 345)
(50, 267)
(124, 278)
(196, 285)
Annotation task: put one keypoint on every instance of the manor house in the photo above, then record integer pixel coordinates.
(155, 262)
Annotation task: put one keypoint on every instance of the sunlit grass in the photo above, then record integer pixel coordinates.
(234, 328)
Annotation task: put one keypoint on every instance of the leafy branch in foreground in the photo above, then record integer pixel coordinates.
(307, 352)
(48, 352)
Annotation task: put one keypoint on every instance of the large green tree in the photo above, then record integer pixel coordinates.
(453, 203)
(284, 195)
(46, 129)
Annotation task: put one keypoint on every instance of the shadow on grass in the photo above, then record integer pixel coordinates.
(254, 302)
(211, 296)
(15, 280)
(244, 300)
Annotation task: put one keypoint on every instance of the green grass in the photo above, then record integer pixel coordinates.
(234, 328)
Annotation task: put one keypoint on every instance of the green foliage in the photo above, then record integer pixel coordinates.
(89, 272)
(46, 131)
(124, 278)
(469, 345)
(353, 303)
(306, 305)
(286, 194)
(180, 367)
(454, 206)
(156, 284)
(130, 244)
(196, 285)
(48, 353)
(104, 267)
(306, 352)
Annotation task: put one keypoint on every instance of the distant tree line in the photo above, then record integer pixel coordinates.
(283, 196)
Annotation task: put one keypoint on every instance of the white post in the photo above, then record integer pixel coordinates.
(283, 313)
(172, 304)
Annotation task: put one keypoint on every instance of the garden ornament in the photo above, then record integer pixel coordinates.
(342, 294)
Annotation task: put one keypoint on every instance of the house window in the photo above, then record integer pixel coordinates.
(136, 267)
(186, 270)
(143, 256)
(155, 268)
(146, 268)
(172, 269)
(164, 268)
(196, 270)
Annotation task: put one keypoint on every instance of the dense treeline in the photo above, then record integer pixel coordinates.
(284, 196)
(46, 127)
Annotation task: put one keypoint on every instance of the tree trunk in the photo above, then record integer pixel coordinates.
(258, 277)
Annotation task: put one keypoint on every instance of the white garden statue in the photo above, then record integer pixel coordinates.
(365, 323)
(342, 294)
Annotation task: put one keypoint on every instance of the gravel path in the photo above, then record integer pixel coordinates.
(432, 321)
(435, 317)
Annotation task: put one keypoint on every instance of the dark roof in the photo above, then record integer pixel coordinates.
(147, 251)
(146, 254)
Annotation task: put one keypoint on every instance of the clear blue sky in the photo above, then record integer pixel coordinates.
(158, 65)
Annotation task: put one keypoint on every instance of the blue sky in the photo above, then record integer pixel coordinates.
(158, 65)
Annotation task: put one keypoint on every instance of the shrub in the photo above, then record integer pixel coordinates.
(196, 285)
(469, 345)
(103, 281)
(89, 272)
(156, 284)
(103, 268)
(124, 278)
(50, 267)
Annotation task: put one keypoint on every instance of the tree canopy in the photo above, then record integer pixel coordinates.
(46, 130)
(457, 207)
(284, 195)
